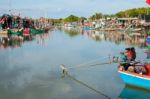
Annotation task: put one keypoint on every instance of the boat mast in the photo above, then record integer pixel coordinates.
(45, 15)
(9, 10)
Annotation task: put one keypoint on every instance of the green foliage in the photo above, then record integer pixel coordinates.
(71, 18)
(96, 16)
(135, 12)
(82, 18)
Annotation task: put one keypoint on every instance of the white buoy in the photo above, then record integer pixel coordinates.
(64, 69)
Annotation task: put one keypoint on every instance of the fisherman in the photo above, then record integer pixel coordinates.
(123, 61)
(127, 57)
(123, 57)
(131, 54)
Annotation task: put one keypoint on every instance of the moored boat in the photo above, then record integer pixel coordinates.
(3, 32)
(36, 31)
(135, 79)
(135, 73)
(15, 32)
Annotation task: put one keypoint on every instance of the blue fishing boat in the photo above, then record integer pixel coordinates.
(89, 28)
(135, 73)
(135, 79)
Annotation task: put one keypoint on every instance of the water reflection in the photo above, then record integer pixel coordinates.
(14, 41)
(118, 37)
(134, 93)
(72, 31)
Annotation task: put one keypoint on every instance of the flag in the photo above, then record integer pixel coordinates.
(148, 2)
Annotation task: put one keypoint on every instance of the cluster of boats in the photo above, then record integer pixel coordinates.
(26, 31)
(15, 25)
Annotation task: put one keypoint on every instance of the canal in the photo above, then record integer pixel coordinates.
(30, 69)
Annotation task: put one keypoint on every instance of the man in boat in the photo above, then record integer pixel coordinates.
(131, 54)
(123, 57)
(127, 58)
(123, 61)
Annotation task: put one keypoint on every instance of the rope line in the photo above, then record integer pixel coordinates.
(111, 60)
(86, 64)
(82, 64)
(86, 85)
(90, 65)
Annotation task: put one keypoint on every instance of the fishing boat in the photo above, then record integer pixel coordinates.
(14, 32)
(3, 32)
(135, 29)
(89, 28)
(135, 73)
(32, 31)
(36, 31)
(135, 79)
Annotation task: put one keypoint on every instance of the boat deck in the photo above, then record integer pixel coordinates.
(135, 74)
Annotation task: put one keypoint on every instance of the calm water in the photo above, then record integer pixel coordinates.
(31, 69)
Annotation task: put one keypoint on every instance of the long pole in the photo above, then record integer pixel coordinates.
(9, 6)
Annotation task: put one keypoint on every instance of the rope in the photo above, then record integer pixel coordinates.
(86, 85)
(82, 64)
(65, 70)
(90, 65)
(113, 60)
(86, 64)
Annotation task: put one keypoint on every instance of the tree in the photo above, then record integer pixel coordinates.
(82, 18)
(71, 18)
(96, 16)
(135, 12)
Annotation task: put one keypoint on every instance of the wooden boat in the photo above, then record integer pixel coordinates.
(25, 32)
(3, 32)
(135, 79)
(36, 31)
(14, 32)
(89, 28)
(108, 29)
(135, 29)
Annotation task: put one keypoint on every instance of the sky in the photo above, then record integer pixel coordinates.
(63, 8)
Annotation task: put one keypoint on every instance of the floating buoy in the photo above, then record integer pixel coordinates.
(64, 69)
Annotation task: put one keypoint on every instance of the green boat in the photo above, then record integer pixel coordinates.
(15, 32)
(36, 31)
